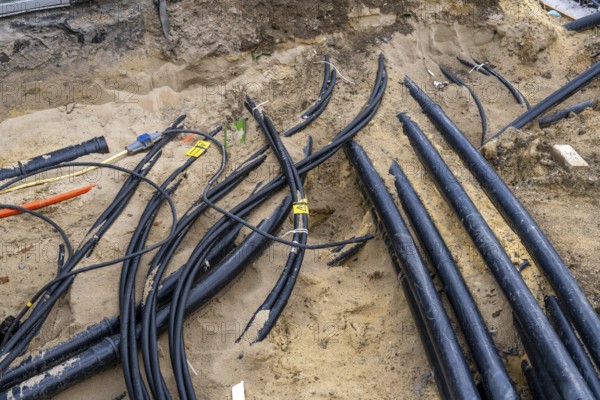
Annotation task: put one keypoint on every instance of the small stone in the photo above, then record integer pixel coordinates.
(566, 155)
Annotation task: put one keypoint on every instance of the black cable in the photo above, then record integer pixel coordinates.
(482, 115)
(47, 220)
(316, 109)
(519, 97)
(474, 67)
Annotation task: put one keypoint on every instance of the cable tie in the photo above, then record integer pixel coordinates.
(299, 230)
(259, 105)
(336, 70)
(477, 67)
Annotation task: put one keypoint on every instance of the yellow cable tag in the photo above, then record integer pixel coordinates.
(29, 304)
(198, 149)
(301, 206)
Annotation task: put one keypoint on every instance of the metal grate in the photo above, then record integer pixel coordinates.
(13, 7)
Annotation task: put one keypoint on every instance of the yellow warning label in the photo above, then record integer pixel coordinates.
(301, 206)
(198, 149)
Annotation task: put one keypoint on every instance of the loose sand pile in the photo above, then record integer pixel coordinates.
(347, 331)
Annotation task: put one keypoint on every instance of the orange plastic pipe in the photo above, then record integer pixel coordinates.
(7, 212)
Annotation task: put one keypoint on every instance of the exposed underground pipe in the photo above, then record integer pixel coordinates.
(495, 379)
(575, 108)
(533, 382)
(519, 97)
(523, 303)
(459, 82)
(438, 373)
(548, 388)
(70, 153)
(574, 347)
(581, 312)
(473, 66)
(553, 99)
(456, 372)
(583, 23)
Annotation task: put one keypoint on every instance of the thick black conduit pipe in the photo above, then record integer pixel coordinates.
(553, 99)
(547, 385)
(583, 23)
(535, 389)
(70, 153)
(574, 347)
(495, 379)
(575, 108)
(434, 363)
(105, 354)
(456, 372)
(437, 369)
(581, 312)
(38, 363)
(555, 356)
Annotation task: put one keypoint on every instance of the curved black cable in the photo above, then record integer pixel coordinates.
(50, 221)
(513, 90)
(478, 68)
(459, 82)
(319, 106)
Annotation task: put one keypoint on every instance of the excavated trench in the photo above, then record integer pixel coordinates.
(104, 68)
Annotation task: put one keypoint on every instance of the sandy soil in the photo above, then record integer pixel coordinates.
(347, 332)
